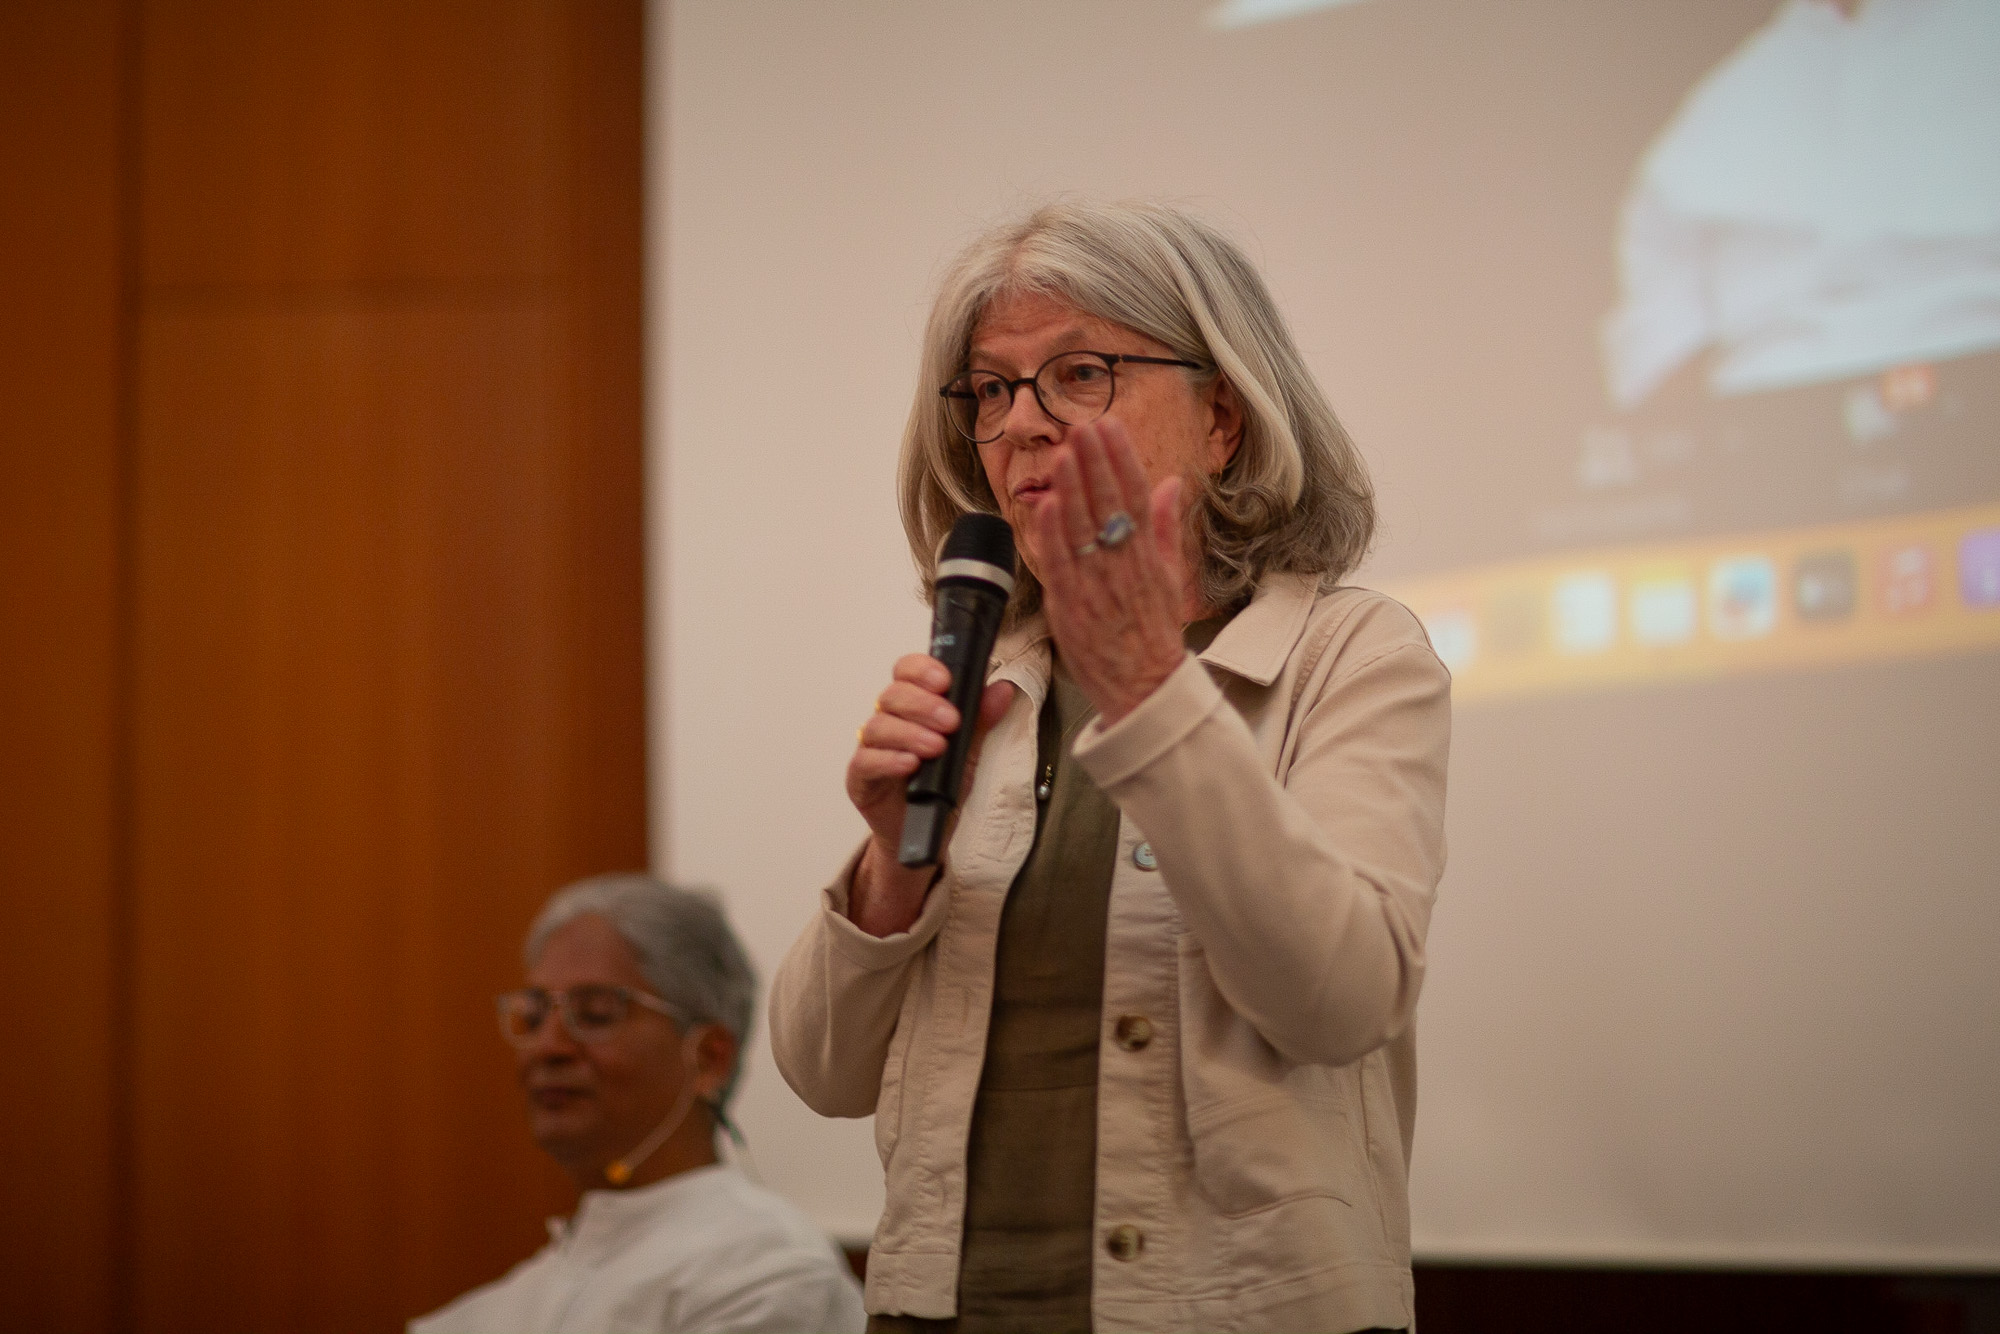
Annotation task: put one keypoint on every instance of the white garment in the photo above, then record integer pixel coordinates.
(704, 1250)
(1826, 203)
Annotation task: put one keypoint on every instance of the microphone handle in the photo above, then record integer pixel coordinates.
(964, 625)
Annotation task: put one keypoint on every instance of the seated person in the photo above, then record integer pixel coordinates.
(628, 1038)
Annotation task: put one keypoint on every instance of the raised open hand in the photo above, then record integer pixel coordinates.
(1113, 568)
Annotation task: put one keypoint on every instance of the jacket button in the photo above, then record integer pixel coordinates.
(1125, 1242)
(1133, 1031)
(1143, 858)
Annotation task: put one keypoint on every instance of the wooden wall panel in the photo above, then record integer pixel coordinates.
(60, 497)
(358, 141)
(352, 663)
(387, 644)
(321, 619)
(605, 401)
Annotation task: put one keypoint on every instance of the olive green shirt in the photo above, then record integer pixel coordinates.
(1032, 1154)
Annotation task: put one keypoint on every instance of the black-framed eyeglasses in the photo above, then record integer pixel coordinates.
(1072, 387)
(589, 1012)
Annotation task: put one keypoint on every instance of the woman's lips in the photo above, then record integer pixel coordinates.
(555, 1099)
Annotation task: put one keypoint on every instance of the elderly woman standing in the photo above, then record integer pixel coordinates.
(1141, 1052)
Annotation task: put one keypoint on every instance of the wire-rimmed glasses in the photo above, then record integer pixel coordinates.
(1072, 387)
(590, 1012)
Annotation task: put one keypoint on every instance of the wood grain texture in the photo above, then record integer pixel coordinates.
(351, 737)
(605, 402)
(388, 635)
(323, 660)
(60, 368)
(358, 141)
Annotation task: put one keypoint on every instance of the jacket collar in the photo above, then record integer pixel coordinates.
(1022, 656)
(1254, 645)
(1259, 639)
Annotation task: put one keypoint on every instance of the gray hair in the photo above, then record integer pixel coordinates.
(1295, 497)
(691, 958)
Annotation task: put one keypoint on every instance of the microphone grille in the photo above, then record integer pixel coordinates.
(981, 537)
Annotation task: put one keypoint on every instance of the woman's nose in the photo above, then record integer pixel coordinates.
(551, 1040)
(1027, 422)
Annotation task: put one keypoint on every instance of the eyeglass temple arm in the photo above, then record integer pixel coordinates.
(652, 1002)
(1152, 361)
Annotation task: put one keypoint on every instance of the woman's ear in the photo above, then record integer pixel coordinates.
(714, 1057)
(1225, 423)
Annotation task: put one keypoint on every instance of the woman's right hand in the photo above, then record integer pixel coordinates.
(911, 723)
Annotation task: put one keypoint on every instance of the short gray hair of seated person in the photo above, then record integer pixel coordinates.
(1296, 496)
(685, 946)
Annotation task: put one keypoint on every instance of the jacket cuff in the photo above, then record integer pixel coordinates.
(874, 953)
(1110, 755)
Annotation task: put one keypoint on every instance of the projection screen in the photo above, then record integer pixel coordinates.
(1671, 333)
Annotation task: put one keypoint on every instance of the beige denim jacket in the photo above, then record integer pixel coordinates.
(1281, 844)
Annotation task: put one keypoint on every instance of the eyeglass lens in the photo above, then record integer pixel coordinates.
(1074, 388)
(588, 1012)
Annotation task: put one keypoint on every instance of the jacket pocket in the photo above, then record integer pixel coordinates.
(1270, 1154)
(1264, 1131)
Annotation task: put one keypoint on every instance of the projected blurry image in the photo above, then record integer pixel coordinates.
(1663, 607)
(1979, 569)
(1805, 337)
(1514, 620)
(1825, 204)
(1823, 586)
(1743, 597)
(1808, 256)
(1454, 637)
(1909, 577)
(1710, 607)
(1586, 613)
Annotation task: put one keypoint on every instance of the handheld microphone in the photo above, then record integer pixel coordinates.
(975, 577)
